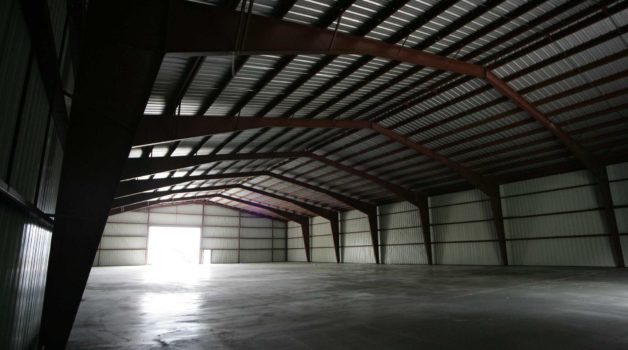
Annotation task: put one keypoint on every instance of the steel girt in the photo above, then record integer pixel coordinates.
(119, 62)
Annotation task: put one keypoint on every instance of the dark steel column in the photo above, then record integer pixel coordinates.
(373, 227)
(424, 213)
(335, 233)
(119, 62)
(498, 221)
(606, 200)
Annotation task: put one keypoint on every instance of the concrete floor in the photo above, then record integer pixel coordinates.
(328, 306)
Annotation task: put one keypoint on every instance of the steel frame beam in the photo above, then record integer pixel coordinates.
(119, 62)
(158, 129)
(177, 201)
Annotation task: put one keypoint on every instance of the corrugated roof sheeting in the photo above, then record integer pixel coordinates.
(169, 73)
(300, 192)
(241, 83)
(205, 81)
(308, 11)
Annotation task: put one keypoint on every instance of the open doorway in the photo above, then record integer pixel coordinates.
(168, 245)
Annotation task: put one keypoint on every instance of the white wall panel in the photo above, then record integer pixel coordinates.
(323, 255)
(196, 209)
(297, 255)
(254, 256)
(470, 231)
(397, 207)
(576, 178)
(471, 253)
(403, 219)
(457, 197)
(224, 256)
(219, 243)
(279, 243)
(355, 239)
(570, 224)
(256, 243)
(221, 221)
(279, 255)
(295, 243)
(461, 212)
(122, 257)
(354, 225)
(119, 229)
(401, 236)
(404, 254)
(249, 232)
(582, 251)
(617, 171)
(619, 191)
(220, 211)
(256, 222)
(578, 198)
(322, 241)
(622, 219)
(210, 231)
(130, 217)
(123, 242)
(157, 219)
(362, 255)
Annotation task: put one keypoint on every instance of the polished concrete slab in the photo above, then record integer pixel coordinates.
(329, 306)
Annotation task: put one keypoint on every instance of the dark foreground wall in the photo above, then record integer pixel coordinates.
(30, 160)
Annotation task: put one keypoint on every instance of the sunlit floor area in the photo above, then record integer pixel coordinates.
(329, 306)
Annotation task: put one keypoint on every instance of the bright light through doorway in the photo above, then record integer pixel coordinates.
(173, 245)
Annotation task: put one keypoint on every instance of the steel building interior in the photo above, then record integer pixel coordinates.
(351, 174)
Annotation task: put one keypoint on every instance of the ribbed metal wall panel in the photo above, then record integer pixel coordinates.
(622, 220)
(545, 219)
(31, 138)
(256, 256)
(322, 243)
(256, 222)
(51, 174)
(256, 244)
(157, 219)
(219, 211)
(123, 243)
(125, 229)
(221, 220)
(252, 232)
(575, 178)
(358, 255)
(617, 171)
(403, 254)
(571, 224)
(279, 255)
(580, 251)
(469, 253)
(219, 243)
(296, 247)
(467, 231)
(122, 257)
(462, 229)
(221, 231)
(23, 265)
(224, 256)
